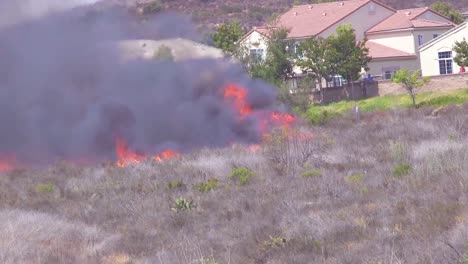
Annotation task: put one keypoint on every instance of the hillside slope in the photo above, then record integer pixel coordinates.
(250, 13)
(391, 188)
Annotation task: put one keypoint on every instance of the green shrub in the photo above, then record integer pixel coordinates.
(311, 174)
(355, 178)
(164, 53)
(151, 7)
(229, 9)
(175, 184)
(401, 170)
(182, 204)
(242, 175)
(204, 187)
(452, 137)
(44, 188)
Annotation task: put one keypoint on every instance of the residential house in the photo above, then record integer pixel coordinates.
(394, 36)
(394, 42)
(437, 55)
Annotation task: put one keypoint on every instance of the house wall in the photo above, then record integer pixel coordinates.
(362, 20)
(401, 40)
(251, 41)
(376, 66)
(427, 35)
(429, 54)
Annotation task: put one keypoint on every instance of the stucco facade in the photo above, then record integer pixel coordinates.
(255, 40)
(362, 19)
(433, 61)
(381, 67)
(401, 40)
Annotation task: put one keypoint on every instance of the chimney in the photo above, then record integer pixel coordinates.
(295, 13)
(324, 14)
(341, 4)
(408, 13)
(310, 7)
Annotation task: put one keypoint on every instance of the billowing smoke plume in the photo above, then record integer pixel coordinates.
(64, 94)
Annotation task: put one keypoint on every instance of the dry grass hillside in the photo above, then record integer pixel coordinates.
(391, 188)
(250, 13)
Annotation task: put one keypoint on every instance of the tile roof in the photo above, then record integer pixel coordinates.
(379, 51)
(311, 20)
(265, 31)
(407, 18)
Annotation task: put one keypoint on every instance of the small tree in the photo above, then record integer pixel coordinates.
(163, 53)
(349, 55)
(410, 82)
(278, 60)
(461, 49)
(446, 9)
(316, 57)
(226, 37)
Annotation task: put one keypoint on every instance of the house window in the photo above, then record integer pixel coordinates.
(256, 55)
(388, 72)
(435, 35)
(445, 62)
(420, 40)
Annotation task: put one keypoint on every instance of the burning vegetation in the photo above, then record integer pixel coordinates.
(72, 98)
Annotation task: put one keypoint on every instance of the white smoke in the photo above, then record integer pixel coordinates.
(15, 11)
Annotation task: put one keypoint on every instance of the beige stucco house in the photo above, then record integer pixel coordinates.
(394, 43)
(437, 55)
(393, 35)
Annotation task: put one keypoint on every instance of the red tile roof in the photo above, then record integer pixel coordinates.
(406, 19)
(311, 20)
(379, 51)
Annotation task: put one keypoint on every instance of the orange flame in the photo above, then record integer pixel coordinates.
(238, 96)
(283, 119)
(7, 163)
(254, 148)
(166, 154)
(125, 156)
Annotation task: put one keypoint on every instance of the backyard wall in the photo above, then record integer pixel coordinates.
(384, 87)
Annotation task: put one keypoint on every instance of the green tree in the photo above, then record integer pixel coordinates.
(446, 9)
(349, 55)
(461, 49)
(277, 65)
(315, 57)
(410, 82)
(226, 37)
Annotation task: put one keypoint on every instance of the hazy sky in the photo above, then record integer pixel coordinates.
(13, 11)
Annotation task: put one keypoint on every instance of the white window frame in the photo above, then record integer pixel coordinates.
(447, 62)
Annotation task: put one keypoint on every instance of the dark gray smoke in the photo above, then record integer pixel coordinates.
(65, 95)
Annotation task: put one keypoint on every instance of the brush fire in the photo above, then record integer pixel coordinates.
(57, 105)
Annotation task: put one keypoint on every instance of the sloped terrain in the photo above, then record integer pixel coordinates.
(391, 188)
(249, 13)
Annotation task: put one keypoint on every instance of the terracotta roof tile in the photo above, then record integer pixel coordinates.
(379, 51)
(310, 20)
(405, 19)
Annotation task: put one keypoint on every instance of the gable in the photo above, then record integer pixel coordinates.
(310, 20)
(431, 15)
